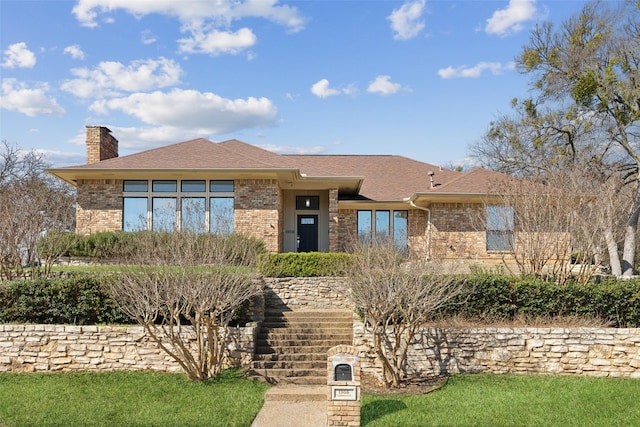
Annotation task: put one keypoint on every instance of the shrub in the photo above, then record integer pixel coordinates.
(78, 299)
(305, 264)
(502, 297)
(234, 249)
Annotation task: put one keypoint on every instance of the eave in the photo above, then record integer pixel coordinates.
(426, 199)
(289, 179)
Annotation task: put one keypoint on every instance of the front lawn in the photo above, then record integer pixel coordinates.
(127, 399)
(511, 400)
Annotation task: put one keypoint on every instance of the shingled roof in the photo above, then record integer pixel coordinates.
(384, 177)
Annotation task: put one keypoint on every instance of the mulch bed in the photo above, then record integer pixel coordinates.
(423, 385)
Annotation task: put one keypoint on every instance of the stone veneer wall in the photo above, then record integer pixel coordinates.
(41, 348)
(601, 352)
(307, 292)
(99, 205)
(258, 211)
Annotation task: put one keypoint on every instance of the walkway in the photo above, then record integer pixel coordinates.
(294, 406)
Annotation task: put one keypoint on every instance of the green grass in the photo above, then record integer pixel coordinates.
(510, 400)
(127, 399)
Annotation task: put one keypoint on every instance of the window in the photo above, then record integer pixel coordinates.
(383, 228)
(221, 215)
(193, 214)
(364, 226)
(163, 215)
(400, 230)
(221, 187)
(167, 205)
(134, 215)
(500, 221)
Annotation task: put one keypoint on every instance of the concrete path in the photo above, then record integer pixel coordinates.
(293, 406)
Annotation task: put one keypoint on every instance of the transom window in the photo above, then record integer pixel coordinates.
(500, 226)
(383, 225)
(188, 205)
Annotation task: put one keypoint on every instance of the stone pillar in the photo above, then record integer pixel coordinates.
(343, 381)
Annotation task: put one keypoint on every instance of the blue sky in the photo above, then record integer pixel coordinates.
(420, 78)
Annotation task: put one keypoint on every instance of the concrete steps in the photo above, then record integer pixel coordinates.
(292, 346)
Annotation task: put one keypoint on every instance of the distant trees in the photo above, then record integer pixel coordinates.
(580, 131)
(32, 204)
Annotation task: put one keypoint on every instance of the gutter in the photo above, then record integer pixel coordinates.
(428, 211)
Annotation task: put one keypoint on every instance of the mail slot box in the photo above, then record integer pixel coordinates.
(343, 372)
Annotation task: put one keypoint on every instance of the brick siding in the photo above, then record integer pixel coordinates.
(258, 211)
(99, 206)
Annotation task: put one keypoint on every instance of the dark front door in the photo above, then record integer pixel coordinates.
(307, 233)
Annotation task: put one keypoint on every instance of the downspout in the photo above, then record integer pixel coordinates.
(428, 211)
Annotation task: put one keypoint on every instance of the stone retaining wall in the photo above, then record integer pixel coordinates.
(30, 348)
(602, 352)
(307, 292)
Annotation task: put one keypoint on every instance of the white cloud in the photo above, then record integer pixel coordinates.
(113, 78)
(18, 55)
(193, 112)
(217, 42)
(384, 86)
(476, 71)
(17, 96)
(62, 158)
(74, 51)
(221, 11)
(206, 22)
(148, 37)
(511, 19)
(407, 22)
(321, 89)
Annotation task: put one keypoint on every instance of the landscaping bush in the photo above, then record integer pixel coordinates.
(236, 249)
(305, 264)
(505, 297)
(79, 299)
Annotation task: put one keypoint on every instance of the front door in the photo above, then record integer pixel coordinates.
(307, 233)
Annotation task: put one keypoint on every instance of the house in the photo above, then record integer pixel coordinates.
(294, 203)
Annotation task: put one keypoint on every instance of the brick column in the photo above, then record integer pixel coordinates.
(343, 380)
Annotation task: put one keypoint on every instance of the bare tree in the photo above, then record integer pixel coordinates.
(396, 298)
(586, 84)
(177, 288)
(32, 204)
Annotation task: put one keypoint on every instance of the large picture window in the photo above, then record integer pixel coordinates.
(500, 225)
(189, 205)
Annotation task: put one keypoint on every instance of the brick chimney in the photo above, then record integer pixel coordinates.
(101, 145)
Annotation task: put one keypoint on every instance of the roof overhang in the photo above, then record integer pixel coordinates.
(289, 179)
(427, 199)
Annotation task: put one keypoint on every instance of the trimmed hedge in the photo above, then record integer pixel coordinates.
(120, 244)
(78, 299)
(504, 297)
(304, 264)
